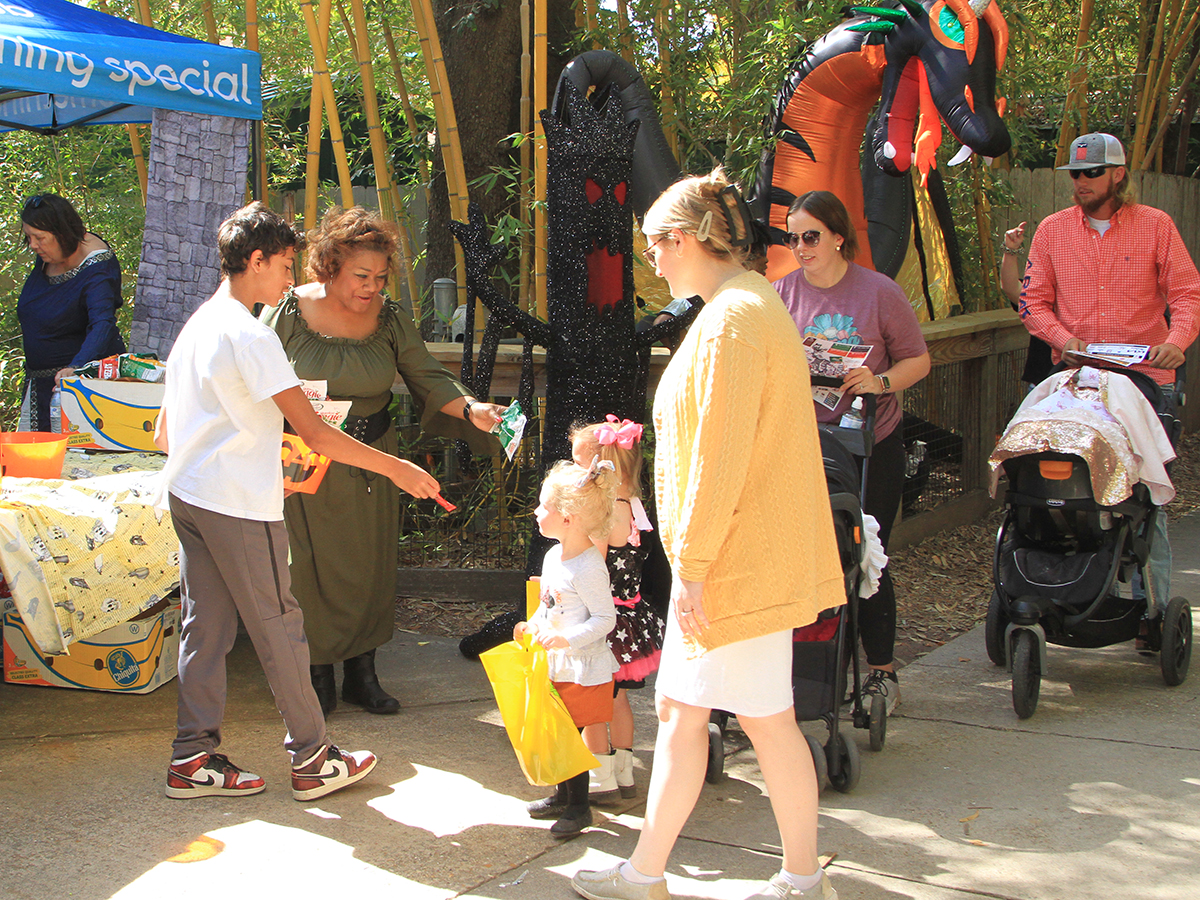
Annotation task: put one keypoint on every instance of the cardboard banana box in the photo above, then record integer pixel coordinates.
(132, 658)
(110, 415)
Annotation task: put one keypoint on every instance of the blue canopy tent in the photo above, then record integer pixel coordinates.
(63, 65)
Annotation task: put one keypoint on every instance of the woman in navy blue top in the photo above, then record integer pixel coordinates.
(68, 307)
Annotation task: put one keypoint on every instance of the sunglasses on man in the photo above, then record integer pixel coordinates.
(810, 239)
(1093, 172)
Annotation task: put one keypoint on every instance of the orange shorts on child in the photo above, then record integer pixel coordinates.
(590, 705)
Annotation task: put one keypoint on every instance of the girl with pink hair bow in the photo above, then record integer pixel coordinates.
(636, 641)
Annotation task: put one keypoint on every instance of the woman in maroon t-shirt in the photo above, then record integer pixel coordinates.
(831, 297)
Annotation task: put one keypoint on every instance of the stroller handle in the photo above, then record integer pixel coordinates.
(858, 442)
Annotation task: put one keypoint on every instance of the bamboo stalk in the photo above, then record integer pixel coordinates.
(456, 178)
(410, 117)
(1179, 94)
(379, 154)
(667, 98)
(259, 136)
(1078, 84)
(1148, 89)
(321, 67)
(540, 167)
(591, 21)
(210, 21)
(624, 38)
(983, 225)
(135, 138)
(524, 293)
(349, 29)
(316, 102)
(1180, 34)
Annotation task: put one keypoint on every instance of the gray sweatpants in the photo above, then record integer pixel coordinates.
(230, 566)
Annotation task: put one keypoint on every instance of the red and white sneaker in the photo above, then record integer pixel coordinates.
(208, 774)
(330, 770)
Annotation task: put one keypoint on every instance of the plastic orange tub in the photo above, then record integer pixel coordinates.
(32, 454)
(303, 468)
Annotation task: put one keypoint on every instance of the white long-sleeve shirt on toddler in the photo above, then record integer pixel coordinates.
(576, 602)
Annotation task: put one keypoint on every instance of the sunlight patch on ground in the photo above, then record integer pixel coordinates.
(445, 803)
(259, 859)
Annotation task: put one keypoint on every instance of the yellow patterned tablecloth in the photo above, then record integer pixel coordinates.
(87, 552)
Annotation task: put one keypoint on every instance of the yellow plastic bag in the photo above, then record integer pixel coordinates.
(546, 741)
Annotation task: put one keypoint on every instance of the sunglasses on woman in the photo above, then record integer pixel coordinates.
(809, 238)
(1094, 172)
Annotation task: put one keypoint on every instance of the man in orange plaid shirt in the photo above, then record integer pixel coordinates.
(1108, 270)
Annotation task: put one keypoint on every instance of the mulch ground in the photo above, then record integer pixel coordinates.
(942, 584)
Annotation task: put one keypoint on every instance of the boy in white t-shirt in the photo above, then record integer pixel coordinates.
(228, 388)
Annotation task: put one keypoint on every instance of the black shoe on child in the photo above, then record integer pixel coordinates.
(326, 687)
(574, 819)
(549, 807)
(360, 685)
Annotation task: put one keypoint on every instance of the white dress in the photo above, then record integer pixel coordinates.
(747, 678)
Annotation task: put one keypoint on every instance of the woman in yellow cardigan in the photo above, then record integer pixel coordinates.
(745, 520)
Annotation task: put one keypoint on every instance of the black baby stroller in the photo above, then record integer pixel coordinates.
(1065, 566)
(823, 651)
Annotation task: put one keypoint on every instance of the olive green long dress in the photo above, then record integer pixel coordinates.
(345, 538)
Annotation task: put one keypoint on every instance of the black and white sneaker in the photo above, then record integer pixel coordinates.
(885, 684)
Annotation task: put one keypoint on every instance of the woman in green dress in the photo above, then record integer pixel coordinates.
(339, 328)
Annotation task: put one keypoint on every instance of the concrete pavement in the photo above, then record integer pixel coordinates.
(1096, 796)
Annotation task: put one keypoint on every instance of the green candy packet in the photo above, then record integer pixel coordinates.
(510, 428)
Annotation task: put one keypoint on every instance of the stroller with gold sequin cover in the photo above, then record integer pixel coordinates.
(1086, 458)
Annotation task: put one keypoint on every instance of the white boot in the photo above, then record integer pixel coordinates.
(623, 771)
(602, 780)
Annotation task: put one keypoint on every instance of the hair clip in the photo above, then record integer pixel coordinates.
(597, 466)
(705, 228)
(737, 216)
(624, 433)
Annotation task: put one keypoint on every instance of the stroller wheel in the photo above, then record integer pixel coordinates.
(878, 722)
(819, 762)
(716, 754)
(845, 768)
(1176, 641)
(1026, 673)
(994, 628)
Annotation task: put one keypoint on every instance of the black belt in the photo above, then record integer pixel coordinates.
(367, 429)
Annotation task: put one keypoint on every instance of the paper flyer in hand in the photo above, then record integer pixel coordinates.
(832, 359)
(1118, 354)
(510, 428)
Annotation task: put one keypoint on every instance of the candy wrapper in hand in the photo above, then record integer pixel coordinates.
(510, 428)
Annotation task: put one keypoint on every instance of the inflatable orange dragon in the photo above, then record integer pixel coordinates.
(926, 64)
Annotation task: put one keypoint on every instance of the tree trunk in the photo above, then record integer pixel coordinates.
(482, 49)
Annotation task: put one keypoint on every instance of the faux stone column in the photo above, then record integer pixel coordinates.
(197, 177)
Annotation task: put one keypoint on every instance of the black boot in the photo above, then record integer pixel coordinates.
(360, 685)
(493, 634)
(325, 686)
(549, 807)
(578, 813)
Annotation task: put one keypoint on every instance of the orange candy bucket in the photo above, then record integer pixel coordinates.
(32, 454)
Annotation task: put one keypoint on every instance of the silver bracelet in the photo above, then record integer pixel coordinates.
(1016, 252)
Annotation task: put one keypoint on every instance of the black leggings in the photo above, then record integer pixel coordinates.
(885, 486)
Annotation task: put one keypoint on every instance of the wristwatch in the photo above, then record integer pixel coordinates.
(467, 409)
(887, 384)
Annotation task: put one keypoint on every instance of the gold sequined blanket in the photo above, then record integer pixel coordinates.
(1103, 418)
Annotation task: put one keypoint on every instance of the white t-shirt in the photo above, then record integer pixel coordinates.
(224, 431)
(576, 601)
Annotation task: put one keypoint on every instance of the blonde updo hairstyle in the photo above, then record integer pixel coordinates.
(685, 205)
(567, 489)
(627, 463)
(343, 233)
